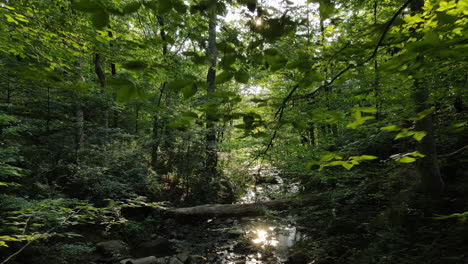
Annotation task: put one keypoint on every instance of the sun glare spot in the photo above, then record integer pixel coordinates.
(263, 238)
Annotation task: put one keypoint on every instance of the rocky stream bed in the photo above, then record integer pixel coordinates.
(247, 240)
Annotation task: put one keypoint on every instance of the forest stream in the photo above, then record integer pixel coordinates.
(228, 240)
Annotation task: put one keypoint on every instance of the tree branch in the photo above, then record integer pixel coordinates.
(374, 52)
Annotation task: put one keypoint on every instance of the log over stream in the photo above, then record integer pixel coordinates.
(238, 210)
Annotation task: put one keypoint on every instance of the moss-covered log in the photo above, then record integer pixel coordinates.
(247, 209)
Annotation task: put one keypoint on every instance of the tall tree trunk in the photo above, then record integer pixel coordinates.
(211, 147)
(115, 112)
(102, 82)
(8, 95)
(155, 135)
(98, 70)
(376, 72)
(79, 114)
(156, 120)
(427, 166)
(330, 128)
(79, 132)
(78, 106)
(137, 116)
(48, 110)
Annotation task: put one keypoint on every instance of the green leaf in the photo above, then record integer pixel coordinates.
(126, 94)
(228, 60)
(347, 165)
(114, 11)
(259, 100)
(165, 6)
(179, 6)
(406, 159)
(135, 65)
(248, 120)
(336, 163)
(242, 77)
(100, 19)
(260, 135)
(189, 90)
(120, 82)
(299, 124)
(457, 128)
(417, 154)
(276, 62)
(190, 114)
(419, 135)
(461, 216)
(404, 133)
(326, 9)
(369, 109)
(86, 6)
(422, 114)
(131, 7)
(271, 52)
(313, 165)
(241, 126)
(178, 85)
(359, 121)
(127, 90)
(391, 128)
(223, 77)
(367, 157)
(151, 5)
(330, 156)
(180, 124)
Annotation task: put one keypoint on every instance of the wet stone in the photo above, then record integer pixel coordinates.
(113, 249)
(175, 261)
(159, 247)
(183, 257)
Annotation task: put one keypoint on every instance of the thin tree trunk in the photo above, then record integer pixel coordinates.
(102, 82)
(79, 115)
(211, 147)
(156, 120)
(427, 166)
(137, 116)
(376, 72)
(48, 110)
(98, 70)
(332, 128)
(79, 133)
(8, 98)
(115, 113)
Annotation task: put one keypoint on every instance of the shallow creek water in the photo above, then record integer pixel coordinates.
(249, 240)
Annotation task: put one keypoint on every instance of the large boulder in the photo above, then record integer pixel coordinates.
(112, 249)
(158, 247)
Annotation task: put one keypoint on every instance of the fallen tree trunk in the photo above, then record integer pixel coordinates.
(147, 260)
(249, 209)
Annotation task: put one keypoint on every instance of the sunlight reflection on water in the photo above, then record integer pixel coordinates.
(265, 237)
(273, 240)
